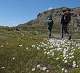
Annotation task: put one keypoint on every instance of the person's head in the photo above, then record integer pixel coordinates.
(50, 17)
(66, 11)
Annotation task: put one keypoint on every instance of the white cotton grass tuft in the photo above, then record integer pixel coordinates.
(33, 46)
(57, 58)
(13, 58)
(62, 69)
(65, 61)
(38, 48)
(44, 68)
(7, 43)
(3, 67)
(27, 48)
(2, 45)
(47, 71)
(33, 69)
(65, 70)
(20, 45)
(63, 46)
(38, 66)
(74, 64)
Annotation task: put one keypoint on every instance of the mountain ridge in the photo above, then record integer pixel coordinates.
(42, 16)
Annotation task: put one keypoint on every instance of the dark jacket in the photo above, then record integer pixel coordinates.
(50, 23)
(65, 19)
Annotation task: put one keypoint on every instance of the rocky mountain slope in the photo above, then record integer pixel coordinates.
(56, 13)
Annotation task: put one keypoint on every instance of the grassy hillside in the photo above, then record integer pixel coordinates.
(31, 52)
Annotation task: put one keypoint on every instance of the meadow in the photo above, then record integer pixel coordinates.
(33, 52)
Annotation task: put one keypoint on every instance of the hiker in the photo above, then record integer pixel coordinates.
(78, 22)
(65, 20)
(50, 25)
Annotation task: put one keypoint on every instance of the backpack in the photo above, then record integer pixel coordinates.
(50, 22)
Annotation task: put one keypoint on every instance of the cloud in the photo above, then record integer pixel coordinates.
(50, 8)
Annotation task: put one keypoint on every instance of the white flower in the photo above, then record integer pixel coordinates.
(42, 46)
(48, 52)
(33, 46)
(66, 71)
(44, 49)
(44, 68)
(77, 66)
(33, 69)
(74, 64)
(71, 53)
(59, 49)
(72, 56)
(26, 48)
(13, 58)
(7, 43)
(47, 70)
(3, 67)
(57, 58)
(45, 52)
(66, 55)
(64, 58)
(38, 48)
(65, 61)
(38, 66)
(20, 45)
(62, 69)
(2, 45)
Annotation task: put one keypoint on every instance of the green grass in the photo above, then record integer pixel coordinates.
(22, 51)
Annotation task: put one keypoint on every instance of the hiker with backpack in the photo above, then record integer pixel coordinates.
(65, 20)
(50, 25)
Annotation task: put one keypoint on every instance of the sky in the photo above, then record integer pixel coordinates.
(14, 12)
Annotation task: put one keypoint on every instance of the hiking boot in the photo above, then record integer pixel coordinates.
(69, 38)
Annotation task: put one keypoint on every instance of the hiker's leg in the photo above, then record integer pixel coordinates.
(69, 37)
(49, 33)
(66, 31)
(62, 32)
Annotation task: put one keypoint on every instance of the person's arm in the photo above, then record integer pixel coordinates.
(69, 18)
(62, 19)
